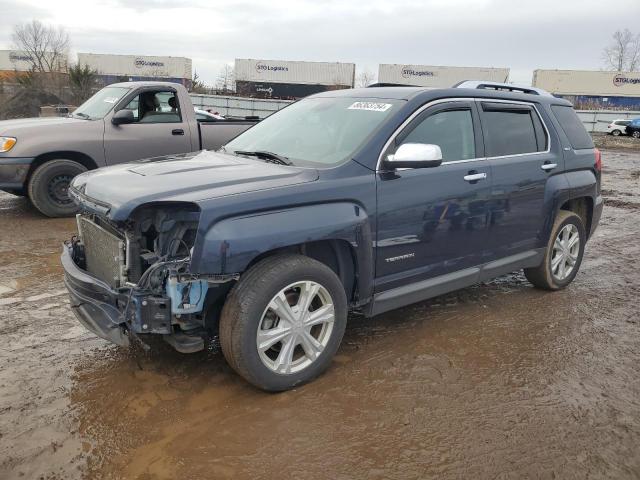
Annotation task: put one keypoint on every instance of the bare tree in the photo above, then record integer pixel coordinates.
(198, 86)
(46, 46)
(364, 78)
(623, 54)
(226, 79)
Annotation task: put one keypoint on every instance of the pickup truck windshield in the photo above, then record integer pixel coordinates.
(100, 104)
(320, 132)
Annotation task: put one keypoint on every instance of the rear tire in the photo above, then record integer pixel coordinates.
(563, 255)
(49, 184)
(636, 134)
(277, 299)
(616, 133)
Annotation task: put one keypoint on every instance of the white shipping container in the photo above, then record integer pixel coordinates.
(15, 60)
(280, 71)
(586, 82)
(438, 76)
(137, 65)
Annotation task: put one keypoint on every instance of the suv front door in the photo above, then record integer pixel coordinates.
(158, 128)
(432, 221)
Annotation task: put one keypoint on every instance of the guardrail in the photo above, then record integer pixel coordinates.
(597, 120)
(238, 106)
(593, 120)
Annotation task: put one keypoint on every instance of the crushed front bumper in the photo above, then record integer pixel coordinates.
(94, 303)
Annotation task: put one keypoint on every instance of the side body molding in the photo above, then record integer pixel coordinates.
(231, 244)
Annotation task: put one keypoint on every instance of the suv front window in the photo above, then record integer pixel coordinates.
(318, 131)
(101, 103)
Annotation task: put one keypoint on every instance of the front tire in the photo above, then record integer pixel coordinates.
(636, 134)
(283, 322)
(49, 184)
(563, 254)
(616, 133)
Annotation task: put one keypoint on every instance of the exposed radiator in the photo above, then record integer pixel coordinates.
(104, 252)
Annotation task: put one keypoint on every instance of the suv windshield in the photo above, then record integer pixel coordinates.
(100, 104)
(320, 131)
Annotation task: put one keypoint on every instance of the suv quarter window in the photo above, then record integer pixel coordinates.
(448, 126)
(572, 127)
(512, 129)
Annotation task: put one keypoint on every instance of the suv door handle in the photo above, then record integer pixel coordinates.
(548, 166)
(474, 177)
(177, 131)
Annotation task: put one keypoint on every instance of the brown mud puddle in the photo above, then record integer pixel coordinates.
(495, 381)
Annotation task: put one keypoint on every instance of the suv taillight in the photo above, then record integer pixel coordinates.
(598, 163)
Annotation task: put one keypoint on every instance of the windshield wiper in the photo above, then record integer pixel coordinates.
(266, 156)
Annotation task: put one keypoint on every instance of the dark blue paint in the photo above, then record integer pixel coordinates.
(404, 226)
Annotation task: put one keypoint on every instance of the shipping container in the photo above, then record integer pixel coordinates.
(586, 82)
(281, 90)
(12, 60)
(309, 73)
(437, 76)
(137, 65)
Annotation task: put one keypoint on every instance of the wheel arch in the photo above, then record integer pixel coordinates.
(81, 158)
(336, 234)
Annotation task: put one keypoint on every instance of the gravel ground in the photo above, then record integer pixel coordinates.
(495, 381)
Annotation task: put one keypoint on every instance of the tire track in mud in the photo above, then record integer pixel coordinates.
(495, 381)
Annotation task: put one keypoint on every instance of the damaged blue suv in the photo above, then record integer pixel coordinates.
(366, 199)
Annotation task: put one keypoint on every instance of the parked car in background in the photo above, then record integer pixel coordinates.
(363, 199)
(120, 123)
(618, 127)
(204, 116)
(633, 128)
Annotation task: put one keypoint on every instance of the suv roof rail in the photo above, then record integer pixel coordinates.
(501, 86)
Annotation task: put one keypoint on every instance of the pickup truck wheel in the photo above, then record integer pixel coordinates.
(283, 321)
(563, 255)
(49, 184)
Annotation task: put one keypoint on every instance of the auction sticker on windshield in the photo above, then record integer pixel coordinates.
(374, 107)
(110, 100)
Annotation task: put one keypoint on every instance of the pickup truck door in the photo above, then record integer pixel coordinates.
(433, 221)
(159, 128)
(517, 149)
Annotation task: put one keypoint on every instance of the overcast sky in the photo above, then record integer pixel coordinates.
(522, 35)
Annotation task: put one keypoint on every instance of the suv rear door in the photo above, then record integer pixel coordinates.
(517, 146)
(432, 221)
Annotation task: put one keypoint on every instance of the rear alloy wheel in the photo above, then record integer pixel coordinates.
(636, 134)
(283, 321)
(616, 133)
(563, 254)
(49, 185)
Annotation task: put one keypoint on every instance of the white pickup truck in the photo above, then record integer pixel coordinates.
(120, 123)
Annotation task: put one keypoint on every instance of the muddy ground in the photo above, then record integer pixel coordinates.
(495, 381)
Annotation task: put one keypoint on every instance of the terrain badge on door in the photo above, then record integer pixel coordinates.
(400, 257)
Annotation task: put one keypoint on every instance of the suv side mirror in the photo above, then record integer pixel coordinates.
(415, 155)
(122, 117)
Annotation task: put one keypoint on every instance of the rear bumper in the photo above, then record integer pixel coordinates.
(13, 173)
(93, 302)
(597, 213)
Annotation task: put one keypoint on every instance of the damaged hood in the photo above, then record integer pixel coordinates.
(118, 190)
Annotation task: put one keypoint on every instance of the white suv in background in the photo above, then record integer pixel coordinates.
(618, 127)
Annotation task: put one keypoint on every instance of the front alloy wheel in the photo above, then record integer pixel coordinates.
(296, 327)
(283, 321)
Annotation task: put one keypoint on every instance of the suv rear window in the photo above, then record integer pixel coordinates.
(572, 127)
(511, 129)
